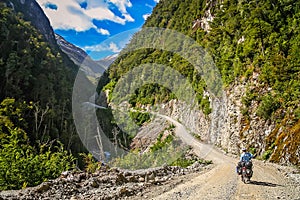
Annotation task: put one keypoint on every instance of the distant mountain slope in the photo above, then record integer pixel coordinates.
(107, 61)
(92, 68)
(77, 54)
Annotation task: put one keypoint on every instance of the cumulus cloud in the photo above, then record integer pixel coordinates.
(122, 5)
(103, 31)
(156, 1)
(79, 15)
(113, 47)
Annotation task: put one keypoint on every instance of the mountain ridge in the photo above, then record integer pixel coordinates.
(92, 68)
(33, 12)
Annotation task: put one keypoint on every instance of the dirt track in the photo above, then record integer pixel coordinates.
(222, 182)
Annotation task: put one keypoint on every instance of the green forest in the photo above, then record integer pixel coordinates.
(245, 38)
(36, 127)
(270, 48)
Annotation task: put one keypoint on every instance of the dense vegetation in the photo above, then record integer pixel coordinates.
(21, 163)
(32, 71)
(261, 37)
(35, 114)
(252, 42)
(250, 37)
(177, 15)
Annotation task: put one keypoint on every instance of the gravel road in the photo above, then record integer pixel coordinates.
(269, 181)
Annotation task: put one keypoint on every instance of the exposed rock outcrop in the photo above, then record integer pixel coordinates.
(148, 134)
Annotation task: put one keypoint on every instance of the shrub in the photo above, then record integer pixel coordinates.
(139, 117)
(22, 165)
(267, 106)
(162, 152)
(252, 150)
(91, 165)
(160, 144)
(267, 154)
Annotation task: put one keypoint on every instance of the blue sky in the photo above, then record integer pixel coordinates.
(100, 27)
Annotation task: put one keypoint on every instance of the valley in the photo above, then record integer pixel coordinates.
(164, 118)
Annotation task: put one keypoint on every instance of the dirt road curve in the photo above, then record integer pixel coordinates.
(222, 182)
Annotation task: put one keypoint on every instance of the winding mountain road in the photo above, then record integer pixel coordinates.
(222, 182)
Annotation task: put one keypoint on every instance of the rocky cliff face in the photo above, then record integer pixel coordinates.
(32, 12)
(226, 127)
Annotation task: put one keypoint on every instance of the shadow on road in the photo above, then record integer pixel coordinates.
(264, 184)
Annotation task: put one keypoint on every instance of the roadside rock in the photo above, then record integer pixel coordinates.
(113, 183)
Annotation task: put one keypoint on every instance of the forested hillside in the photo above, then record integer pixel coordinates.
(255, 44)
(36, 125)
(263, 38)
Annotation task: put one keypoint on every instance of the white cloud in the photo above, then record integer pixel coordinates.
(114, 47)
(122, 5)
(156, 1)
(69, 15)
(103, 31)
(145, 16)
(104, 47)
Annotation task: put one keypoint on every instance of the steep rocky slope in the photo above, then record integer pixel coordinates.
(231, 130)
(231, 134)
(33, 12)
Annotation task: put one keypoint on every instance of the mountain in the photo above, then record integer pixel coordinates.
(93, 69)
(75, 53)
(255, 47)
(35, 68)
(107, 61)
